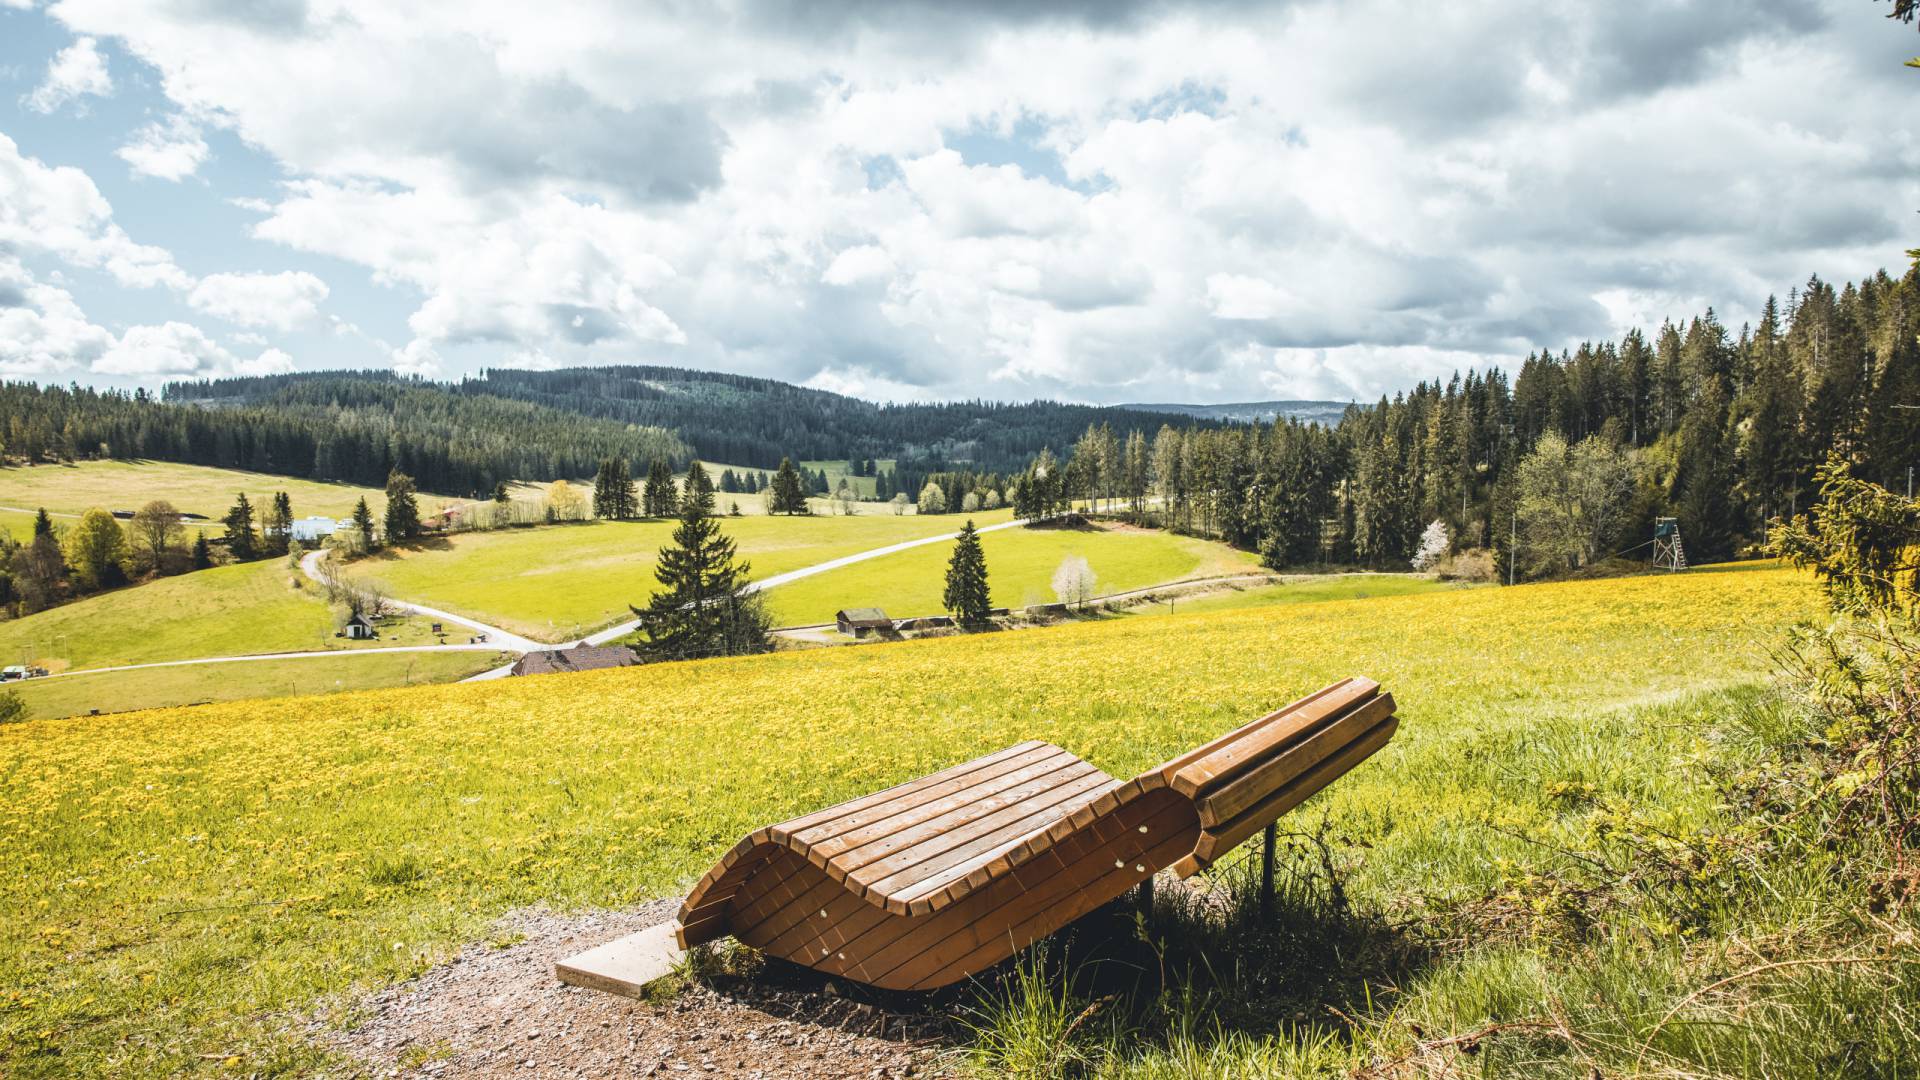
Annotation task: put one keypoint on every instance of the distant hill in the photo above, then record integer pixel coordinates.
(735, 419)
(1326, 412)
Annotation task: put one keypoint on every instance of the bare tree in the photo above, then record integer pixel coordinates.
(1073, 581)
(158, 536)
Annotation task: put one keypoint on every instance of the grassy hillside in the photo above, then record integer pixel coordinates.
(126, 485)
(1020, 568)
(256, 607)
(557, 583)
(187, 879)
(193, 684)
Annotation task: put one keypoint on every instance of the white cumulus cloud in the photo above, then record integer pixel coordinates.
(284, 301)
(75, 72)
(166, 150)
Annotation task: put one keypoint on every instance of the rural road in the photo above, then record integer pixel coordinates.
(496, 637)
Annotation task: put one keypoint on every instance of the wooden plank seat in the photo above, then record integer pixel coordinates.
(923, 884)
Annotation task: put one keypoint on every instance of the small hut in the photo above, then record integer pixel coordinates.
(862, 621)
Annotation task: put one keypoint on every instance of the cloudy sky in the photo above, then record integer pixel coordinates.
(1094, 200)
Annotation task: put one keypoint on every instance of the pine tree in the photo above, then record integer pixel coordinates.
(788, 495)
(42, 524)
(276, 526)
(403, 511)
(657, 497)
(203, 552)
(966, 595)
(242, 542)
(705, 606)
(363, 523)
(500, 494)
(613, 498)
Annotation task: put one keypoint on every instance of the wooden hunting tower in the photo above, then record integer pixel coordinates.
(1667, 551)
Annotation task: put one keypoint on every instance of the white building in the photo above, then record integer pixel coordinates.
(309, 529)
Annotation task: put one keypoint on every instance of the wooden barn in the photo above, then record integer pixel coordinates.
(862, 621)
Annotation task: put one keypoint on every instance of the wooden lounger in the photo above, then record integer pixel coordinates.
(923, 884)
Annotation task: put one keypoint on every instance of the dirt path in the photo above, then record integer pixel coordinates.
(498, 1012)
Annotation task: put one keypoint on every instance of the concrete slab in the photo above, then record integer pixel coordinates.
(626, 965)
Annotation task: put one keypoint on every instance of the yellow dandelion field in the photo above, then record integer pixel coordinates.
(182, 887)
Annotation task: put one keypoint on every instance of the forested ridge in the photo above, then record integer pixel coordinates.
(740, 419)
(1578, 452)
(356, 427)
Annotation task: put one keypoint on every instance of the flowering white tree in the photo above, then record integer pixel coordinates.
(932, 499)
(1434, 543)
(1073, 582)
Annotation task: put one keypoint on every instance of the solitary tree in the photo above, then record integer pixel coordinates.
(705, 606)
(1433, 546)
(403, 509)
(899, 502)
(363, 523)
(564, 503)
(1073, 581)
(967, 595)
(789, 491)
(157, 535)
(96, 551)
(242, 542)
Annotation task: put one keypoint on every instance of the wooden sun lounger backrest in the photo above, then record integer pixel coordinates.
(1243, 781)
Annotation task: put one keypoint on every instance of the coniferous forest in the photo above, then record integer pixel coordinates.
(1719, 427)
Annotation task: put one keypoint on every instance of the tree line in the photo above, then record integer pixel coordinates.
(1580, 452)
(354, 428)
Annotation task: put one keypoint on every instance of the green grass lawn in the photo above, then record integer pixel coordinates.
(560, 582)
(198, 489)
(259, 607)
(1020, 568)
(182, 883)
(1300, 589)
(152, 688)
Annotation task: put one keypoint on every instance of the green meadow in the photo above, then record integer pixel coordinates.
(195, 684)
(184, 881)
(557, 583)
(259, 607)
(197, 489)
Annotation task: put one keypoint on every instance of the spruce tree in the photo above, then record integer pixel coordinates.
(704, 606)
(202, 552)
(789, 497)
(403, 512)
(276, 527)
(363, 523)
(42, 524)
(500, 493)
(967, 595)
(242, 541)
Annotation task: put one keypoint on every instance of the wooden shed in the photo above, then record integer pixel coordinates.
(860, 622)
(360, 628)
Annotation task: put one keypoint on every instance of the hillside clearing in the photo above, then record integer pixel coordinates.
(193, 489)
(153, 688)
(1020, 568)
(263, 854)
(559, 583)
(258, 607)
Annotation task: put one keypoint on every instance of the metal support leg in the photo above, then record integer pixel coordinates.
(1266, 871)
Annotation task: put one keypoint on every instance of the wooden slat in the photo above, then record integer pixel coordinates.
(820, 816)
(1216, 842)
(1004, 819)
(1245, 791)
(1196, 776)
(851, 851)
(995, 846)
(1166, 770)
(824, 836)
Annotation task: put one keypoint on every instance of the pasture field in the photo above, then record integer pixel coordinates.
(258, 607)
(193, 684)
(839, 470)
(126, 485)
(187, 884)
(1020, 567)
(558, 583)
(1301, 589)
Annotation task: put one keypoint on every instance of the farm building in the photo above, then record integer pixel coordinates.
(861, 621)
(309, 529)
(359, 628)
(578, 658)
(925, 622)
